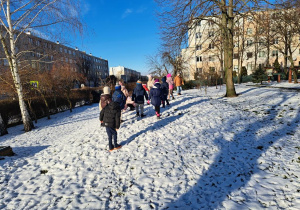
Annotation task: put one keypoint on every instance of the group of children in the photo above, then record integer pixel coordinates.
(111, 105)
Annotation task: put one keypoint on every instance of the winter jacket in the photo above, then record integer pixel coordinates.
(110, 115)
(156, 94)
(170, 82)
(139, 93)
(164, 88)
(104, 100)
(178, 81)
(119, 97)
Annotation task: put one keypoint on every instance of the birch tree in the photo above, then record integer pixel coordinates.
(44, 16)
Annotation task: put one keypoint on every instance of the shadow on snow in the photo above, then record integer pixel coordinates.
(236, 162)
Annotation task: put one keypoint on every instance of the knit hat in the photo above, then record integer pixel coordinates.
(118, 86)
(169, 75)
(156, 80)
(139, 82)
(106, 90)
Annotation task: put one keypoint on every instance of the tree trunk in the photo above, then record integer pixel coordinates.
(12, 60)
(227, 28)
(46, 103)
(3, 128)
(292, 67)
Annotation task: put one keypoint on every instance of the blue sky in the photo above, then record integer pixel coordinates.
(124, 32)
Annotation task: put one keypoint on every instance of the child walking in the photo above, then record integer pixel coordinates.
(165, 92)
(110, 118)
(171, 86)
(155, 97)
(138, 95)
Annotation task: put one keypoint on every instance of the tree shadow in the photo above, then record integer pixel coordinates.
(165, 120)
(236, 162)
(22, 152)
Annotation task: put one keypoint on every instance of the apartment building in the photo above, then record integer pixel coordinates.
(126, 74)
(35, 53)
(204, 51)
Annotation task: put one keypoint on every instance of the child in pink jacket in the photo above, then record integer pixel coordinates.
(171, 86)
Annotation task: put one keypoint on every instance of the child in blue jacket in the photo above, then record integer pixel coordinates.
(138, 95)
(156, 97)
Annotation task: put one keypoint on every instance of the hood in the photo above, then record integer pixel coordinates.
(139, 86)
(114, 105)
(163, 79)
(156, 85)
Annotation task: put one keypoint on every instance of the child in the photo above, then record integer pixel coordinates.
(110, 118)
(105, 98)
(171, 86)
(119, 97)
(165, 92)
(138, 97)
(155, 97)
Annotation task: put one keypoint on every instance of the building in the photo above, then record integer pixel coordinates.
(255, 44)
(39, 54)
(126, 74)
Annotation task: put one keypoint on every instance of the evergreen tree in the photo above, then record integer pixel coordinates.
(259, 75)
(276, 65)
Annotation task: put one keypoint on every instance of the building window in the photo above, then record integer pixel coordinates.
(199, 70)
(249, 42)
(275, 41)
(275, 53)
(249, 19)
(38, 43)
(261, 54)
(211, 46)
(6, 62)
(198, 35)
(212, 69)
(249, 55)
(261, 42)
(249, 31)
(235, 56)
(249, 66)
(236, 44)
(60, 49)
(235, 68)
(198, 47)
(211, 58)
(198, 58)
(210, 23)
(33, 65)
(66, 51)
(210, 34)
(30, 40)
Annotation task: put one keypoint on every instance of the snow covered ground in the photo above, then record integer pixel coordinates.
(207, 152)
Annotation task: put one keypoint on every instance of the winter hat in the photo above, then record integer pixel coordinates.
(156, 80)
(139, 82)
(169, 75)
(118, 86)
(106, 90)
(164, 79)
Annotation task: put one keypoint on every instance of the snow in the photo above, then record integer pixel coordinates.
(207, 152)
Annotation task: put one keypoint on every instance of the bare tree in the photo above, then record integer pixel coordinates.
(17, 17)
(286, 27)
(178, 17)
